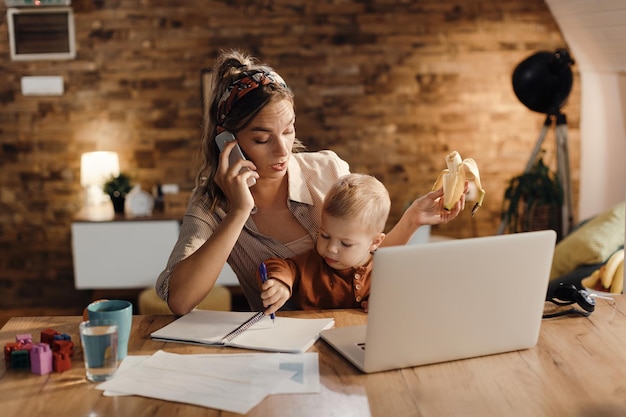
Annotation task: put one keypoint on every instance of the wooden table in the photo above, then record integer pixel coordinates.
(577, 369)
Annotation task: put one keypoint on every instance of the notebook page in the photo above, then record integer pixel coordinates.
(202, 326)
(287, 334)
(209, 327)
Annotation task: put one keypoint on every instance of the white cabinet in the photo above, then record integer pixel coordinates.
(121, 254)
(125, 253)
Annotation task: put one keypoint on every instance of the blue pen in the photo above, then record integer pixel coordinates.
(263, 273)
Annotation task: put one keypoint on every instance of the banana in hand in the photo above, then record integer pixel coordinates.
(453, 180)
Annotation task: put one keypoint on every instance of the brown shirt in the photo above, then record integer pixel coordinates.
(310, 175)
(315, 285)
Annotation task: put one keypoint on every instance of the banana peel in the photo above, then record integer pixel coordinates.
(453, 180)
(609, 277)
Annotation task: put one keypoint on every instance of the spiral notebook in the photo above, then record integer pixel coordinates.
(450, 300)
(244, 330)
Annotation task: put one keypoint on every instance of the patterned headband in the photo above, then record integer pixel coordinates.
(242, 86)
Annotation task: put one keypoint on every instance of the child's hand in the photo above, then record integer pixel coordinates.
(274, 295)
(364, 305)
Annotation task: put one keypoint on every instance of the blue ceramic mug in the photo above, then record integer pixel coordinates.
(121, 313)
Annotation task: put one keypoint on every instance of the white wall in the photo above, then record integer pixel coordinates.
(595, 32)
(603, 141)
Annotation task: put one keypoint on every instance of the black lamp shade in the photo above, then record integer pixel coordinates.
(543, 81)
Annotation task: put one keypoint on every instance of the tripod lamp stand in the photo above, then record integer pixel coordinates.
(542, 82)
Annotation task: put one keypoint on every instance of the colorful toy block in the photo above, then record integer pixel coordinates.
(61, 361)
(47, 336)
(24, 338)
(20, 359)
(62, 336)
(41, 359)
(53, 353)
(63, 346)
(8, 348)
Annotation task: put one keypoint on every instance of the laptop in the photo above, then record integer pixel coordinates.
(450, 300)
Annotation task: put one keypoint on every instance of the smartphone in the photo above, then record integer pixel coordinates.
(235, 154)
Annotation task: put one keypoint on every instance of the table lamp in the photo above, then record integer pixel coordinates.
(95, 169)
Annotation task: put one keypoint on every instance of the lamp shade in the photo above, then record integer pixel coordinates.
(97, 167)
(543, 81)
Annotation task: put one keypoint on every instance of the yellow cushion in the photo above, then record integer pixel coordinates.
(150, 303)
(591, 243)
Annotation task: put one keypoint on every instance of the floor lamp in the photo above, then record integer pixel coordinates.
(542, 82)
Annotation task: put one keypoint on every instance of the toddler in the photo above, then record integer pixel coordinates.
(336, 274)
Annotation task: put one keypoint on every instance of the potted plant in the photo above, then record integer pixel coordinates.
(533, 201)
(117, 187)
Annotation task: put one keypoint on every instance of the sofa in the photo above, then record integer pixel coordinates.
(588, 247)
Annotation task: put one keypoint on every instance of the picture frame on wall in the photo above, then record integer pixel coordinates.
(41, 33)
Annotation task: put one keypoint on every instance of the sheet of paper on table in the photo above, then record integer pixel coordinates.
(229, 382)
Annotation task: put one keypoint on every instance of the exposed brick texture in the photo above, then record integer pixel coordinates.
(391, 86)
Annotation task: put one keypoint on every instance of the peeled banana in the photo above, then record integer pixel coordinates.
(453, 180)
(609, 277)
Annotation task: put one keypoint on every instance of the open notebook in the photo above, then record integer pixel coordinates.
(208, 327)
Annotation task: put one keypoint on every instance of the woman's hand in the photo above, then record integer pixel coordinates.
(274, 295)
(233, 181)
(428, 209)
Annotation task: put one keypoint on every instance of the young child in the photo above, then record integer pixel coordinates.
(336, 274)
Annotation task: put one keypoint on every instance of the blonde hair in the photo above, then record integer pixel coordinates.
(361, 197)
(230, 67)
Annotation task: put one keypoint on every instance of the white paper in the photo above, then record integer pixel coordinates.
(128, 363)
(230, 382)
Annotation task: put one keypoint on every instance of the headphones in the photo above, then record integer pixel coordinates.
(568, 294)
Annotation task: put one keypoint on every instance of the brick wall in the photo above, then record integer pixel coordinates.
(391, 86)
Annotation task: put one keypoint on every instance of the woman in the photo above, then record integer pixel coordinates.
(279, 216)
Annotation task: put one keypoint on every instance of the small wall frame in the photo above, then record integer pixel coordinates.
(41, 33)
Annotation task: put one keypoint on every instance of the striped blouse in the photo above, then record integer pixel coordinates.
(310, 175)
